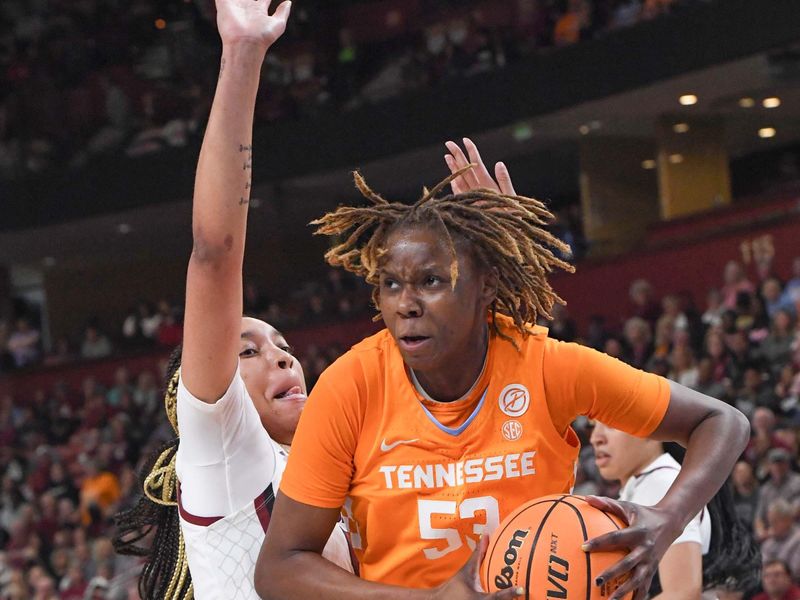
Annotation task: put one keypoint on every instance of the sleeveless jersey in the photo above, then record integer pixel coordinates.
(419, 481)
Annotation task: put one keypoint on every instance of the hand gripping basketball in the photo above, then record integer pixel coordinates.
(466, 583)
(649, 535)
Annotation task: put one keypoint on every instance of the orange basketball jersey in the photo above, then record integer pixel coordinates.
(419, 481)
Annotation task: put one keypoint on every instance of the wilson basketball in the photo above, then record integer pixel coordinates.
(538, 547)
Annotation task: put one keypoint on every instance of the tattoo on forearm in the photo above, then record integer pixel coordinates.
(247, 166)
(221, 67)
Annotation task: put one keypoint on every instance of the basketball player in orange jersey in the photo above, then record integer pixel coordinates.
(426, 435)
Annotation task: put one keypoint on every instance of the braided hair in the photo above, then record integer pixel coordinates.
(152, 528)
(733, 560)
(503, 231)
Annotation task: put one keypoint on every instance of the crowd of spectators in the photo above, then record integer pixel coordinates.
(742, 347)
(337, 297)
(83, 77)
(69, 457)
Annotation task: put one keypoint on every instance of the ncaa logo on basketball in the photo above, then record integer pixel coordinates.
(514, 400)
(512, 430)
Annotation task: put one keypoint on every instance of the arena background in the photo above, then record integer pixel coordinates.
(665, 135)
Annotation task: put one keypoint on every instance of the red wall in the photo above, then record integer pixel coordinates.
(602, 288)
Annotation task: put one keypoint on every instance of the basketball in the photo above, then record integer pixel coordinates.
(538, 547)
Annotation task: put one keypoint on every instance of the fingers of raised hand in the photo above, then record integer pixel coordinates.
(283, 10)
(457, 185)
(503, 178)
(468, 179)
(481, 172)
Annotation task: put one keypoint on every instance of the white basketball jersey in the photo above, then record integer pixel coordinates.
(223, 455)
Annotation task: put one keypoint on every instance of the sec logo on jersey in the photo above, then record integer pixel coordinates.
(514, 400)
(512, 430)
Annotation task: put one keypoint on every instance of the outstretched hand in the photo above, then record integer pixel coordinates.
(649, 535)
(465, 584)
(479, 176)
(250, 21)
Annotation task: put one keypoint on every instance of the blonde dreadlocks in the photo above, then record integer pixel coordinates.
(166, 572)
(505, 232)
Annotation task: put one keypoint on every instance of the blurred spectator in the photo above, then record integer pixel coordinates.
(562, 327)
(99, 491)
(684, 368)
(735, 282)
(783, 484)
(23, 343)
(777, 582)
(783, 537)
(714, 308)
(745, 491)
(791, 290)
(639, 341)
(62, 353)
(95, 344)
(775, 299)
(645, 305)
(706, 384)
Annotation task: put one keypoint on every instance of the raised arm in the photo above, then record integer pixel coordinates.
(221, 197)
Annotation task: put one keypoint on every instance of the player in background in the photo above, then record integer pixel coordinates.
(714, 550)
(237, 379)
(430, 432)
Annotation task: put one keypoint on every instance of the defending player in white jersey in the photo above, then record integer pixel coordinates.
(239, 392)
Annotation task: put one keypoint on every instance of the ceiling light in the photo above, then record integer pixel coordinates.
(680, 127)
(688, 99)
(676, 159)
(649, 164)
(584, 129)
(160, 24)
(124, 228)
(747, 102)
(767, 132)
(771, 102)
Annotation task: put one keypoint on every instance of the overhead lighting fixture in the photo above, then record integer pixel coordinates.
(584, 129)
(747, 102)
(124, 228)
(767, 132)
(676, 159)
(161, 24)
(680, 127)
(648, 164)
(688, 100)
(771, 102)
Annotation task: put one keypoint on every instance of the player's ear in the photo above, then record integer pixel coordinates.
(491, 278)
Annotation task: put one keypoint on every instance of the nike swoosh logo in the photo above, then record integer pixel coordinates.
(386, 447)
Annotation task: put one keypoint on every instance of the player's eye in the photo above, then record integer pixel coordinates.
(390, 284)
(248, 352)
(432, 280)
(287, 348)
